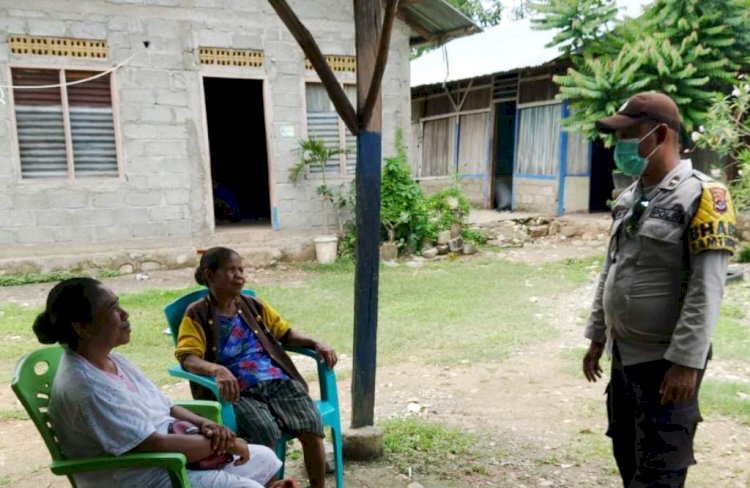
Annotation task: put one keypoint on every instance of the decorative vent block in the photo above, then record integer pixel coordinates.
(58, 46)
(220, 56)
(345, 64)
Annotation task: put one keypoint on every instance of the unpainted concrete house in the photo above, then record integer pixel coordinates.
(207, 96)
(484, 111)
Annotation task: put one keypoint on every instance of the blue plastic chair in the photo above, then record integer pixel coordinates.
(328, 405)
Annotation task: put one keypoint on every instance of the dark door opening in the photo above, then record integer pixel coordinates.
(602, 165)
(504, 147)
(239, 156)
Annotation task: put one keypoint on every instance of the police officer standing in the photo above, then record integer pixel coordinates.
(658, 296)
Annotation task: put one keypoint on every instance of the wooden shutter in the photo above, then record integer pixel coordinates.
(91, 125)
(39, 120)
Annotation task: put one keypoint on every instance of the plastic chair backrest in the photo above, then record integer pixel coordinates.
(32, 384)
(176, 310)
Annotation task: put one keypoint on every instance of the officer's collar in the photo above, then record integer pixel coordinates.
(678, 174)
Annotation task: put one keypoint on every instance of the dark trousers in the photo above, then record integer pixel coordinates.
(652, 443)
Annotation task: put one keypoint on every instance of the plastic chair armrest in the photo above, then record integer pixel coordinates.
(205, 408)
(205, 381)
(305, 351)
(172, 461)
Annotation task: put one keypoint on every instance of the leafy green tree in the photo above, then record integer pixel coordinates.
(521, 9)
(687, 49)
(484, 13)
(581, 23)
(727, 131)
(597, 87)
(722, 28)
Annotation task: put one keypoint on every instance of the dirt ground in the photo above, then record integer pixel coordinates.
(540, 415)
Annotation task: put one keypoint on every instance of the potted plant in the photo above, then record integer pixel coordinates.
(314, 154)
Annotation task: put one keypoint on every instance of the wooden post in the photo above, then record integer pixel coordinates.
(367, 20)
(372, 44)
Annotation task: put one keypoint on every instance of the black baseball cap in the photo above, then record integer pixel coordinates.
(651, 106)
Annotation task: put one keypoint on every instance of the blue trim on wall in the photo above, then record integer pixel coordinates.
(275, 218)
(563, 162)
(474, 176)
(535, 177)
(515, 160)
(591, 157)
(488, 168)
(457, 131)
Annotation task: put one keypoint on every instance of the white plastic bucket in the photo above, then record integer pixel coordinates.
(325, 249)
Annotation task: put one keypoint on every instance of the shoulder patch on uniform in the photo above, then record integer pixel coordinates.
(713, 226)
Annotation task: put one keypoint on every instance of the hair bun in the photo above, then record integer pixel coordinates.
(45, 329)
(199, 276)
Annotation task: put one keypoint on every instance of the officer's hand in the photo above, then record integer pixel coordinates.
(678, 384)
(591, 369)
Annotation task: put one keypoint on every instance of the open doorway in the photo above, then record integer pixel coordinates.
(239, 155)
(505, 133)
(602, 165)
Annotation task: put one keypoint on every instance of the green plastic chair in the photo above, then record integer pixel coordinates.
(328, 405)
(32, 384)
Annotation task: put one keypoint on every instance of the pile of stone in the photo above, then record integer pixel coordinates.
(520, 231)
(448, 242)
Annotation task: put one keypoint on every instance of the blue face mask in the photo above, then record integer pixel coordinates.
(628, 159)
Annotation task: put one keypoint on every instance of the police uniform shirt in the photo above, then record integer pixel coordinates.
(660, 290)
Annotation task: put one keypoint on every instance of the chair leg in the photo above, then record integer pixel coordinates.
(281, 454)
(338, 455)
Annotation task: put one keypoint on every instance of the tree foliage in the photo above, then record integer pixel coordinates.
(484, 13)
(580, 23)
(688, 49)
(727, 131)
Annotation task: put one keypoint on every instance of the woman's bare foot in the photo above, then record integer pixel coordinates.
(287, 483)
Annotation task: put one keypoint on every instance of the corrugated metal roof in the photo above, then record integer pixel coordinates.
(435, 21)
(505, 47)
(509, 46)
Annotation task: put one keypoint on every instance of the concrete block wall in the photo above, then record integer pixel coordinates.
(164, 189)
(535, 195)
(472, 188)
(577, 189)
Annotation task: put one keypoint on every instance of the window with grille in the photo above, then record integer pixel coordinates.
(64, 132)
(324, 123)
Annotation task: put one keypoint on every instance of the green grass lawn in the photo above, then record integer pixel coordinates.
(731, 341)
(443, 312)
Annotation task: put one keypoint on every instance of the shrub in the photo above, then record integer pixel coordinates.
(474, 235)
(447, 207)
(744, 255)
(403, 212)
